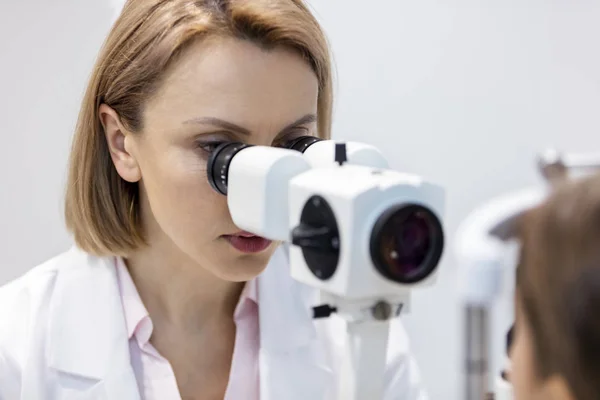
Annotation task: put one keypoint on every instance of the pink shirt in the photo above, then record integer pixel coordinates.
(155, 377)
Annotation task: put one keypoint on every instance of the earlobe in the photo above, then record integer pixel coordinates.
(118, 140)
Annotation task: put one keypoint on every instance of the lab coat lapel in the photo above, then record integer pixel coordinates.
(293, 362)
(88, 343)
(93, 361)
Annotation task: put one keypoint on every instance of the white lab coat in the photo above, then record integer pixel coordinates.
(63, 336)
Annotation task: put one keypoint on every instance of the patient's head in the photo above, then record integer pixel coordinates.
(556, 349)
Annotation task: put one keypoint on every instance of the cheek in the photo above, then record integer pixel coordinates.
(516, 373)
(179, 194)
(174, 172)
(522, 368)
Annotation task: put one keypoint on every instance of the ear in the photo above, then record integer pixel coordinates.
(119, 142)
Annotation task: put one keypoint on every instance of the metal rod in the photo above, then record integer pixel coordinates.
(477, 353)
(364, 365)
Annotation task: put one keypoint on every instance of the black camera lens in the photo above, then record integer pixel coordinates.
(218, 164)
(407, 243)
(302, 143)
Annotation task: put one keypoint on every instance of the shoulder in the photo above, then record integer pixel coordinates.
(17, 295)
(23, 302)
(67, 307)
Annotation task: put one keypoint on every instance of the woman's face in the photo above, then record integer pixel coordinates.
(219, 90)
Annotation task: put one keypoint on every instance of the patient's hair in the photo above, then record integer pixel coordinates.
(558, 285)
(101, 209)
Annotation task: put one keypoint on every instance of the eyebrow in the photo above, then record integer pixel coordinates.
(230, 126)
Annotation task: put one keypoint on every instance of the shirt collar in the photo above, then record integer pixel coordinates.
(133, 308)
(248, 300)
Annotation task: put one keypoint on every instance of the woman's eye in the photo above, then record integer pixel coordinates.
(285, 142)
(209, 147)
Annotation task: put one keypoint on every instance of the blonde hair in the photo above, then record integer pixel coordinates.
(102, 209)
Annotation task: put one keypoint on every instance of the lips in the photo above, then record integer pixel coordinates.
(248, 243)
(245, 234)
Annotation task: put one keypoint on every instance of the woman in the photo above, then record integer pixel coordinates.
(555, 353)
(163, 297)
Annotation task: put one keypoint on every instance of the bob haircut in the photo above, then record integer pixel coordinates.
(101, 209)
(558, 285)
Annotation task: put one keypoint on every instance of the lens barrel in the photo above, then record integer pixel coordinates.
(221, 157)
(302, 143)
(219, 162)
(407, 242)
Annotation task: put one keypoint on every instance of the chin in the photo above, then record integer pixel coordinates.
(238, 266)
(243, 269)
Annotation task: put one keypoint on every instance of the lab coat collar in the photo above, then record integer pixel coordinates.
(88, 335)
(87, 332)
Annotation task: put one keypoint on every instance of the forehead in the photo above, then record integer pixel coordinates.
(237, 80)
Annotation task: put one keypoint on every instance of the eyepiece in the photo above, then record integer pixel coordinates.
(302, 143)
(218, 164)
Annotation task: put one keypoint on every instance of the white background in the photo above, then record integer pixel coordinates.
(463, 92)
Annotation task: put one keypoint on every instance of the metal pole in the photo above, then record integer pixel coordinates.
(476, 363)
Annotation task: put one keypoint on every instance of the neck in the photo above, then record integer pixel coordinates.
(179, 293)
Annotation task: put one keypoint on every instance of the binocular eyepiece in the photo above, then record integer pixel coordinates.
(219, 160)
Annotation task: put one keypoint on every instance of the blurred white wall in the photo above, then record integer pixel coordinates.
(463, 92)
(47, 49)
